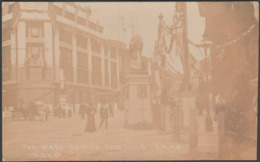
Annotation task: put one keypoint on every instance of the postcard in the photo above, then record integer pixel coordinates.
(88, 81)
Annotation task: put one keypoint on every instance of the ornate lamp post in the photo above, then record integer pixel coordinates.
(208, 123)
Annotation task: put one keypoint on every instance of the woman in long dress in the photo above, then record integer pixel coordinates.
(91, 125)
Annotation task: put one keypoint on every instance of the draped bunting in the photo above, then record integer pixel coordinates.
(222, 47)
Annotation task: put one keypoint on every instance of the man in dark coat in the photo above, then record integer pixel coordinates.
(111, 109)
(104, 115)
(81, 111)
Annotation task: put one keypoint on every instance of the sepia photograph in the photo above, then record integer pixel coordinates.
(105, 81)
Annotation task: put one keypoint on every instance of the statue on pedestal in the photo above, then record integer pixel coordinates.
(135, 49)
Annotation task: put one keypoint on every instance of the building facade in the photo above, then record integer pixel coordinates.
(49, 48)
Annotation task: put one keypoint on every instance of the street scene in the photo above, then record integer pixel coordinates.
(129, 81)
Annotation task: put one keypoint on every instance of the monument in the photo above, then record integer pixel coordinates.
(137, 88)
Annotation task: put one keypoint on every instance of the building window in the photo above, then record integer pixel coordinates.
(142, 91)
(69, 16)
(83, 76)
(100, 29)
(106, 74)
(6, 66)
(81, 21)
(6, 32)
(34, 29)
(96, 71)
(68, 74)
(92, 25)
(5, 8)
(82, 41)
(65, 35)
(58, 10)
(105, 49)
(6, 73)
(66, 63)
(35, 54)
(95, 45)
(82, 60)
(113, 75)
(113, 52)
(82, 67)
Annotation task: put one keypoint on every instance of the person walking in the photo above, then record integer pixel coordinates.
(46, 112)
(81, 111)
(104, 116)
(31, 107)
(111, 109)
(91, 125)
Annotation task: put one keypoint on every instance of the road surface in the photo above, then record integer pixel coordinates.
(65, 139)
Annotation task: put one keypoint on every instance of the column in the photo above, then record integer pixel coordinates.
(89, 61)
(74, 57)
(117, 68)
(48, 44)
(56, 54)
(21, 46)
(109, 68)
(21, 39)
(56, 61)
(13, 54)
(102, 65)
(21, 52)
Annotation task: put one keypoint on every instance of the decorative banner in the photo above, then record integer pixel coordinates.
(224, 45)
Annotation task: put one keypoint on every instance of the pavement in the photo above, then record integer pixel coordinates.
(65, 139)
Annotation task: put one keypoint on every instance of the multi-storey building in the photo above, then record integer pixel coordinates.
(43, 42)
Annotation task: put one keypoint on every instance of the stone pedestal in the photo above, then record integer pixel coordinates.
(190, 122)
(137, 100)
(188, 107)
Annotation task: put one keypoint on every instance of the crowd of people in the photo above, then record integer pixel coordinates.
(62, 111)
(30, 111)
(35, 110)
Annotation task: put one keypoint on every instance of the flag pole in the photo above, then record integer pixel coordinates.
(118, 22)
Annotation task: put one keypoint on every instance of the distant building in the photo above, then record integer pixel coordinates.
(43, 42)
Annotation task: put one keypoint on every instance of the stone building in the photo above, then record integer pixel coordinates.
(46, 44)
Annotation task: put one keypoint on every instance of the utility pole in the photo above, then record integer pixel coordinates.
(187, 88)
(208, 122)
(186, 49)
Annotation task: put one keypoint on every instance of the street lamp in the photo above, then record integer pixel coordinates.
(208, 123)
